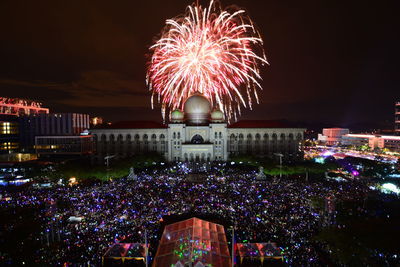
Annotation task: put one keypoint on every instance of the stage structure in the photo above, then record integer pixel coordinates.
(193, 242)
(255, 254)
(121, 254)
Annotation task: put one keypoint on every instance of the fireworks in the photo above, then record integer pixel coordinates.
(211, 51)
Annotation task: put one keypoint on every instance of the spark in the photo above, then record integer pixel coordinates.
(212, 51)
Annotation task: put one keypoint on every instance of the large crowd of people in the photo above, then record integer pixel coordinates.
(276, 209)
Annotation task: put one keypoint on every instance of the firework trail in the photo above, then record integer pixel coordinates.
(213, 51)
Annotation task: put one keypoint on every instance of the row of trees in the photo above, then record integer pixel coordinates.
(369, 168)
(83, 169)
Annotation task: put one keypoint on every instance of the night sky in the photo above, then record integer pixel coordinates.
(330, 61)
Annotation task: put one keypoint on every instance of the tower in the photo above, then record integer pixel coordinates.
(198, 133)
(397, 118)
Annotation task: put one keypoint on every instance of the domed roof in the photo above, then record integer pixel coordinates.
(197, 109)
(217, 115)
(177, 115)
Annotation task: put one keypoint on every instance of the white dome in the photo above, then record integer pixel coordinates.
(177, 115)
(197, 109)
(217, 116)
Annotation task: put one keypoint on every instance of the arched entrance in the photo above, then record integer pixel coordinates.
(197, 139)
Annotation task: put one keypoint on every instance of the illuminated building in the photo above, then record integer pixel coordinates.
(198, 133)
(10, 110)
(52, 126)
(332, 136)
(397, 118)
(9, 134)
(356, 140)
(20, 107)
(96, 121)
(341, 137)
(77, 145)
(372, 141)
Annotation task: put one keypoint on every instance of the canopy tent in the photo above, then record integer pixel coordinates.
(259, 251)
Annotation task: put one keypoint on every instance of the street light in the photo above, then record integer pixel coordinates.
(107, 158)
(280, 163)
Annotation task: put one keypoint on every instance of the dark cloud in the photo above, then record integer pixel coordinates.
(92, 89)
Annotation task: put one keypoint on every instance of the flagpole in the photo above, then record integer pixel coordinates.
(233, 246)
(146, 249)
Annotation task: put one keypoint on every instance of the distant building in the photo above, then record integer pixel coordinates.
(9, 134)
(392, 143)
(10, 111)
(96, 121)
(198, 134)
(20, 107)
(332, 136)
(373, 141)
(397, 118)
(50, 125)
(341, 137)
(356, 140)
(64, 145)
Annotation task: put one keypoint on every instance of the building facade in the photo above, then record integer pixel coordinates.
(332, 136)
(72, 145)
(11, 110)
(53, 124)
(198, 134)
(20, 107)
(389, 142)
(356, 140)
(9, 134)
(397, 118)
